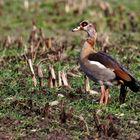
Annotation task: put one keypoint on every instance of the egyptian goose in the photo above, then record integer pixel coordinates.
(102, 68)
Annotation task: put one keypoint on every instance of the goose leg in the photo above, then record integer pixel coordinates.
(102, 94)
(123, 92)
(106, 95)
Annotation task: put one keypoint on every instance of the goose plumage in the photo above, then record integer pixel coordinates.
(103, 68)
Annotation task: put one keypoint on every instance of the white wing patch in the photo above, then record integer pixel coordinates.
(98, 64)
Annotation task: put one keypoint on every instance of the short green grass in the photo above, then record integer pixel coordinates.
(25, 112)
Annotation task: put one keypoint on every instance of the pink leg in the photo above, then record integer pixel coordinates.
(102, 94)
(106, 96)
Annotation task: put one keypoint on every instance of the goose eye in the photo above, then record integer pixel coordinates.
(84, 23)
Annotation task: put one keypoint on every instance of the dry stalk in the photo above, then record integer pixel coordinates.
(19, 42)
(29, 61)
(40, 75)
(33, 41)
(50, 83)
(49, 43)
(59, 79)
(86, 84)
(8, 41)
(32, 50)
(64, 79)
(52, 78)
(26, 4)
(52, 72)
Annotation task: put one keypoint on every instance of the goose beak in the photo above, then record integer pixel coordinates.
(76, 29)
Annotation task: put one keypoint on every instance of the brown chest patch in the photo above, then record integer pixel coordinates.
(91, 41)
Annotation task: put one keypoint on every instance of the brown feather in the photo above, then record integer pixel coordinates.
(123, 75)
(91, 41)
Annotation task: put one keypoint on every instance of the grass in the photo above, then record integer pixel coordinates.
(25, 110)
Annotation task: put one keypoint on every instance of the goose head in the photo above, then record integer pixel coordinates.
(87, 27)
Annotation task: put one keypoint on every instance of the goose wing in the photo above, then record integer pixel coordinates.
(103, 59)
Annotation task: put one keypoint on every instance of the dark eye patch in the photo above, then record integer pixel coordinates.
(84, 23)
